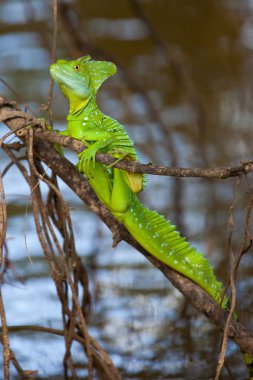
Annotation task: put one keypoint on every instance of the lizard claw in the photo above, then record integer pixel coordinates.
(87, 158)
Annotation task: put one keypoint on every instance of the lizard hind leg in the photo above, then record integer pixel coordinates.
(100, 180)
(135, 181)
(121, 196)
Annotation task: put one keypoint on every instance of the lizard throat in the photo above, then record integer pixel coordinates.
(79, 109)
(77, 105)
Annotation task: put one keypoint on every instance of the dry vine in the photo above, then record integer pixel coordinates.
(65, 266)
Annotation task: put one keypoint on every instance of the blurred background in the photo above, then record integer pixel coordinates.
(184, 93)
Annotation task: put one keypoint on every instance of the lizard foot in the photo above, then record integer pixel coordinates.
(87, 158)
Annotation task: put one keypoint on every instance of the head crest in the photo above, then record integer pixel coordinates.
(99, 71)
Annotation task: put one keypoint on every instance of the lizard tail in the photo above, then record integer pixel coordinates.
(161, 239)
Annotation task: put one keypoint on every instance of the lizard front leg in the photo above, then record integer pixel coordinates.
(100, 141)
(111, 185)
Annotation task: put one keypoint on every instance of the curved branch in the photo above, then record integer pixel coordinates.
(75, 180)
(7, 114)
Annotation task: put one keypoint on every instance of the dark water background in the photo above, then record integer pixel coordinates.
(184, 93)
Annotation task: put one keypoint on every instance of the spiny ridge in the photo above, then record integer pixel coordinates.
(172, 249)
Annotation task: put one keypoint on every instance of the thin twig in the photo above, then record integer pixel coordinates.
(97, 350)
(5, 339)
(3, 226)
(232, 285)
(53, 57)
(18, 97)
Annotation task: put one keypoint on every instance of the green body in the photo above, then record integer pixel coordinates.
(79, 81)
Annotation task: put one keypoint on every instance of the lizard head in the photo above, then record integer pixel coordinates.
(81, 78)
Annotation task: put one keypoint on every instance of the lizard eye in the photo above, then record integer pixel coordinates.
(76, 67)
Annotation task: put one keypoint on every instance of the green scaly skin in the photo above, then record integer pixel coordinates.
(79, 80)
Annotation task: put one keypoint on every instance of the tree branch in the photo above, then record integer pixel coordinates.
(75, 180)
(131, 166)
(137, 167)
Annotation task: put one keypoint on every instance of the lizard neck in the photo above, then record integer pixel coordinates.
(81, 118)
(82, 109)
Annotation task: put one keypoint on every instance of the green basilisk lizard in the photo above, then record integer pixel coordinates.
(79, 80)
